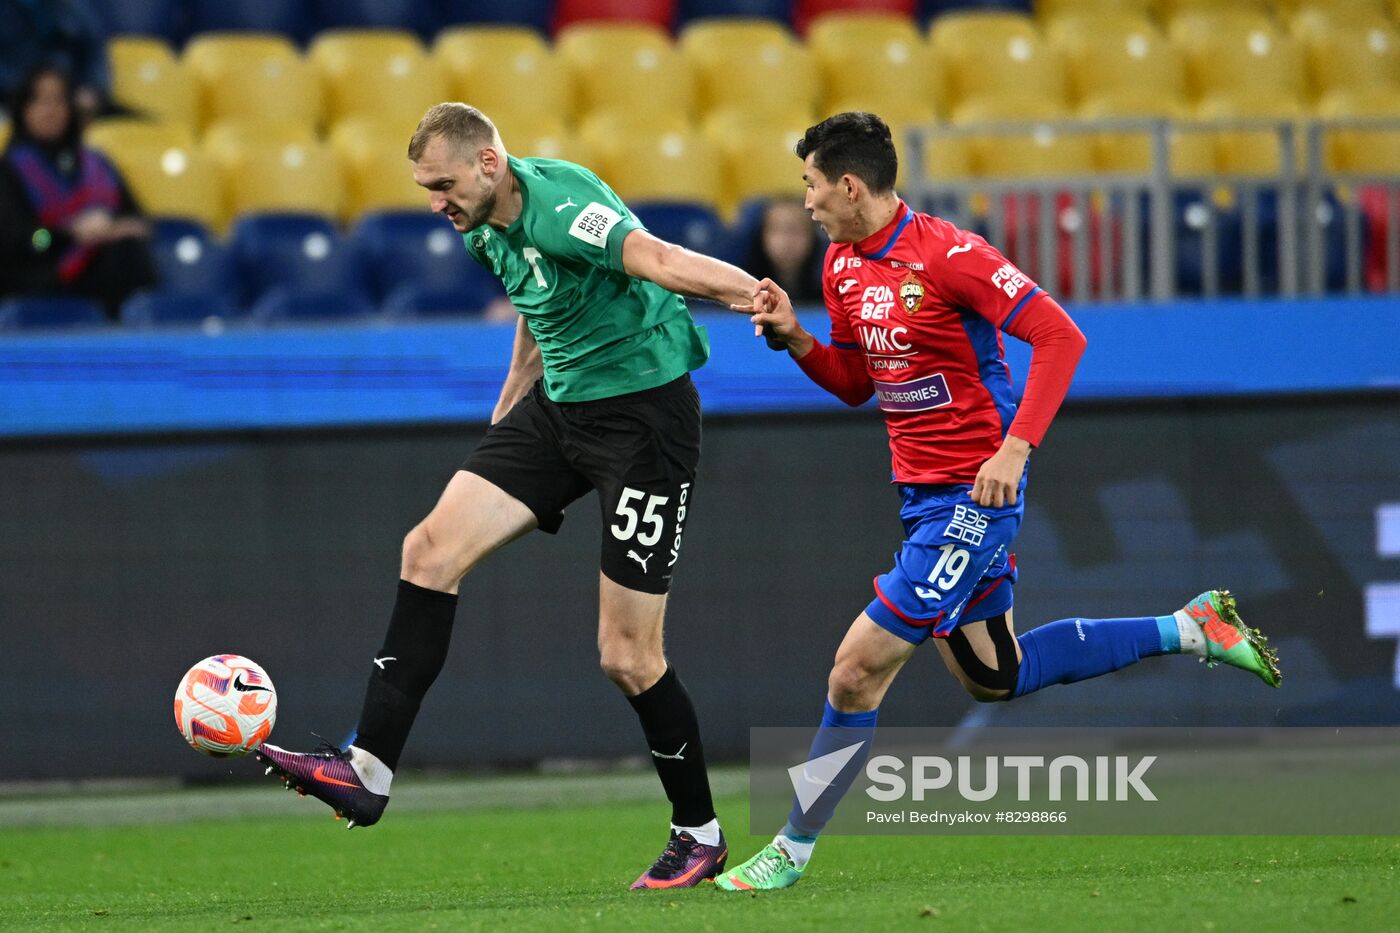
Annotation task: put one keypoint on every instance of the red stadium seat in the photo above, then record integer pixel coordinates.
(808, 10)
(661, 13)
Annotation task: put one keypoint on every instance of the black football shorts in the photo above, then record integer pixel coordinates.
(640, 451)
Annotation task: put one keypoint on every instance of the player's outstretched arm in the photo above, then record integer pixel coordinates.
(839, 372)
(525, 367)
(770, 307)
(684, 271)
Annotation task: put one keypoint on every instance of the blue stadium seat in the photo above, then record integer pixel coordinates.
(163, 19)
(177, 309)
(418, 16)
(291, 304)
(189, 259)
(413, 301)
(693, 226)
(50, 312)
(289, 17)
(537, 14)
(415, 248)
(780, 10)
(301, 250)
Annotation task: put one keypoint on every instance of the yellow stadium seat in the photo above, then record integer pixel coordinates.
(754, 64)
(6, 128)
(373, 159)
(292, 178)
(146, 77)
(1169, 8)
(1190, 153)
(1354, 58)
(1108, 50)
(1313, 20)
(756, 152)
(113, 134)
(623, 66)
(995, 56)
(1346, 8)
(504, 69)
(1238, 52)
(1047, 10)
(548, 140)
(665, 166)
(1374, 151)
(376, 72)
(874, 62)
(249, 75)
(608, 133)
(175, 182)
(231, 140)
(1253, 152)
(1041, 150)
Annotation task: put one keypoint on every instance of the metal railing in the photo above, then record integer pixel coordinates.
(1125, 236)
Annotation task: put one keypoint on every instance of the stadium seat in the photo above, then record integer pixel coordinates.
(300, 304)
(658, 13)
(6, 128)
(1314, 18)
(809, 11)
(380, 73)
(147, 78)
(1043, 152)
(1170, 8)
(995, 56)
(546, 139)
(608, 133)
(189, 258)
(400, 248)
(253, 76)
(693, 226)
(1107, 52)
(161, 19)
(288, 17)
(644, 73)
(668, 166)
(693, 10)
(50, 312)
(230, 141)
(175, 182)
(732, 58)
(1248, 151)
(119, 135)
(412, 301)
(505, 70)
(1364, 150)
(374, 162)
(756, 153)
(534, 14)
(1353, 57)
(1047, 10)
(419, 16)
(302, 250)
(1190, 153)
(876, 63)
(1231, 52)
(292, 178)
(146, 310)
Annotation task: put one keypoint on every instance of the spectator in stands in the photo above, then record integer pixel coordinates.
(67, 221)
(64, 34)
(785, 249)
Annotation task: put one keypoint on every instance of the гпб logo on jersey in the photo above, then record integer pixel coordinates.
(911, 293)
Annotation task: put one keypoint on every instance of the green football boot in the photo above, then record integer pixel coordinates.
(1229, 640)
(771, 869)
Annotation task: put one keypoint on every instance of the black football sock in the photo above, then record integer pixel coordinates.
(673, 735)
(413, 653)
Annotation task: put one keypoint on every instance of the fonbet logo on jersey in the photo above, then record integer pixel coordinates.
(1010, 280)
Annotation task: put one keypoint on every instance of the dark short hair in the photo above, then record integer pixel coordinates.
(854, 143)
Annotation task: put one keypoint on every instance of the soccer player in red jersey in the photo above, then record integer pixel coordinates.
(918, 308)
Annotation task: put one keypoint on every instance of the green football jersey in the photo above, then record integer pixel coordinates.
(601, 332)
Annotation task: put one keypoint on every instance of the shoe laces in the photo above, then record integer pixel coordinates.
(769, 862)
(327, 749)
(677, 851)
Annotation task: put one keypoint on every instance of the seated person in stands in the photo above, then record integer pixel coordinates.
(68, 224)
(787, 250)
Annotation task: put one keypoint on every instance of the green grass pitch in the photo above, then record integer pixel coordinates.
(558, 852)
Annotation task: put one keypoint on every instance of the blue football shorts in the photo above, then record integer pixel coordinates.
(955, 566)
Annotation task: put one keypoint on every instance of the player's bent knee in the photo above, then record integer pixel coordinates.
(983, 682)
(849, 686)
(427, 564)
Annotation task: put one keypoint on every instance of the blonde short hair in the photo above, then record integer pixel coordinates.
(464, 127)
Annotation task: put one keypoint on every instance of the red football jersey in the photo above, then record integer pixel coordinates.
(926, 302)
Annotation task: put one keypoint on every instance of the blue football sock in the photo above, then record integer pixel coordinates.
(1076, 649)
(838, 731)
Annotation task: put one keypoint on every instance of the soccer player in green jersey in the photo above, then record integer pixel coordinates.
(598, 396)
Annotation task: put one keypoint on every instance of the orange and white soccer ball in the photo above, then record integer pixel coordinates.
(225, 706)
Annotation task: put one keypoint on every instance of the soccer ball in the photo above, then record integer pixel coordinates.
(225, 706)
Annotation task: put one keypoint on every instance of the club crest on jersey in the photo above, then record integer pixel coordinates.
(911, 293)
